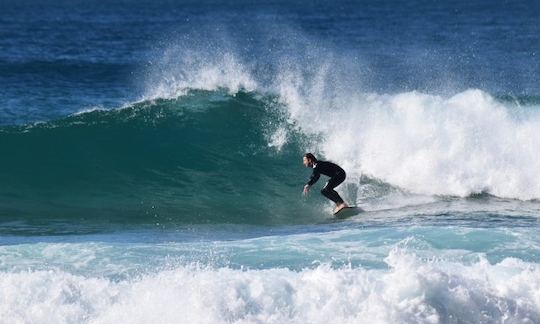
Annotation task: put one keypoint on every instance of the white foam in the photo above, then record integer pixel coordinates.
(278, 138)
(427, 144)
(412, 290)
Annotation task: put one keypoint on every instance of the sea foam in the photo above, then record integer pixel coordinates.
(411, 290)
(428, 144)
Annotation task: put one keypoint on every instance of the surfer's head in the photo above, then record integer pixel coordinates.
(309, 160)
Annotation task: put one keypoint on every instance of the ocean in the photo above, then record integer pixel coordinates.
(151, 161)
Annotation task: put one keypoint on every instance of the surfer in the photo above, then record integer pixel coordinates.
(335, 172)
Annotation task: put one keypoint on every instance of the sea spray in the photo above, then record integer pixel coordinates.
(454, 144)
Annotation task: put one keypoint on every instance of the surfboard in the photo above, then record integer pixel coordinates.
(348, 212)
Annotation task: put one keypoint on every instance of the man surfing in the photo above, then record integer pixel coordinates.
(335, 172)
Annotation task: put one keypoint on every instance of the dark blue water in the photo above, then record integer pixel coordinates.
(60, 57)
(150, 161)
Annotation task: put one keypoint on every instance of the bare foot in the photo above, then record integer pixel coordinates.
(340, 207)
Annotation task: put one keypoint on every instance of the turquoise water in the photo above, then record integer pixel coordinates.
(151, 169)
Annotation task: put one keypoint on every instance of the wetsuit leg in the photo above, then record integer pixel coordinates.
(328, 189)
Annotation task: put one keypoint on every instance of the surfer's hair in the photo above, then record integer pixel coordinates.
(311, 157)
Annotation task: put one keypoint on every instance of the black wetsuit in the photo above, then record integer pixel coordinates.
(337, 176)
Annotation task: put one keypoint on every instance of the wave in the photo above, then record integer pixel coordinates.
(213, 156)
(218, 138)
(411, 290)
(206, 156)
(451, 143)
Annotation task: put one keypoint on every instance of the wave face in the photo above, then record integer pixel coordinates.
(206, 156)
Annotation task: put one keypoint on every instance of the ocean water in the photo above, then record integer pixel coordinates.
(151, 161)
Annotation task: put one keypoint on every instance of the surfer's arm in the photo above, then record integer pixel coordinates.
(314, 178)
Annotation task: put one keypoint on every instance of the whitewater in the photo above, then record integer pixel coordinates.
(155, 174)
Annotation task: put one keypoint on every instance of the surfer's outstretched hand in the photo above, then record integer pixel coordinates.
(306, 190)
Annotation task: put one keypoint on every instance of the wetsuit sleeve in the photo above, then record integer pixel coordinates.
(314, 177)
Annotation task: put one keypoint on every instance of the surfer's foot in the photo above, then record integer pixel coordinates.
(340, 207)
